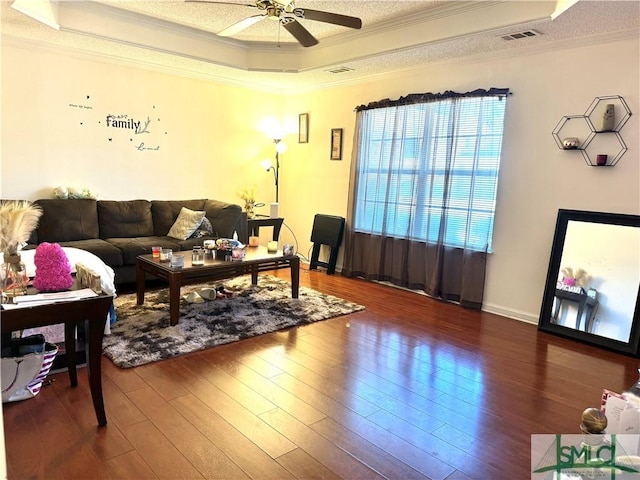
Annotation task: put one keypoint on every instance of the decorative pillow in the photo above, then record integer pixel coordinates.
(204, 230)
(186, 223)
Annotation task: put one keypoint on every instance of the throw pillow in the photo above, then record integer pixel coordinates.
(186, 223)
(204, 230)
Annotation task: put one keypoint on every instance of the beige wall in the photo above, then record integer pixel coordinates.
(52, 134)
(536, 178)
(213, 146)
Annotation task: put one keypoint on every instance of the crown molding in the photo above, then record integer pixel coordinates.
(490, 55)
(268, 86)
(451, 20)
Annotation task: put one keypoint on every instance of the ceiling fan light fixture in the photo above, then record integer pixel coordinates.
(286, 12)
(274, 13)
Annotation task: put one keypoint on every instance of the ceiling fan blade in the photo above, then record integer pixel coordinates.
(222, 3)
(241, 25)
(328, 17)
(299, 32)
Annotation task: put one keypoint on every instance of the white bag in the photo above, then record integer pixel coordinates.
(22, 377)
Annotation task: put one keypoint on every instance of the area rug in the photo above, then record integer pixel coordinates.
(142, 333)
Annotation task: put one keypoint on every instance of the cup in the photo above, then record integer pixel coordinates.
(197, 256)
(237, 253)
(601, 160)
(254, 241)
(155, 251)
(272, 246)
(166, 254)
(177, 261)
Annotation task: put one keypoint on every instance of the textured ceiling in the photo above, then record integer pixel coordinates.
(214, 18)
(180, 37)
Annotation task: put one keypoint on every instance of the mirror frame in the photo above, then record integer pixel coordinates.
(544, 324)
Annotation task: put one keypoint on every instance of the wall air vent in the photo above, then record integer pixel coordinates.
(519, 35)
(340, 70)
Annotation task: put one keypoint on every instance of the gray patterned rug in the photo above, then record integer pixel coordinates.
(142, 333)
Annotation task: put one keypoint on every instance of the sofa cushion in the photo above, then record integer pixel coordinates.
(67, 220)
(186, 223)
(132, 247)
(125, 219)
(225, 218)
(106, 252)
(165, 213)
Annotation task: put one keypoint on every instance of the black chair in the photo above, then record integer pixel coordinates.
(327, 230)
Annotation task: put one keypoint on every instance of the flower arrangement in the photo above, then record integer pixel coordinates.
(17, 220)
(63, 192)
(575, 277)
(248, 194)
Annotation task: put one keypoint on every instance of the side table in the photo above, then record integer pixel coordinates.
(254, 225)
(587, 308)
(94, 311)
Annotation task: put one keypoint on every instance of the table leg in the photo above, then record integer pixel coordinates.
(294, 263)
(140, 283)
(276, 231)
(95, 331)
(556, 310)
(70, 351)
(591, 314)
(174, 298)
(254, 275)
(581, 305)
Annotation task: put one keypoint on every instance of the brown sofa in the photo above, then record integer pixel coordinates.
(118, 231)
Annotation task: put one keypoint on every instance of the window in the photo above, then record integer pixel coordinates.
(429, 171)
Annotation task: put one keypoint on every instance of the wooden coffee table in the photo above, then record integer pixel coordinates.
(257, 259)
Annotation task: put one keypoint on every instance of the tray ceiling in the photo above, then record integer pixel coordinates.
(180, 37)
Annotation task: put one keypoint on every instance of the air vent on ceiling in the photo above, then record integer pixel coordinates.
(519, 35)
(340, 70)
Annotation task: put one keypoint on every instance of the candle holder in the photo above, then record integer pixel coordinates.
(165, 255)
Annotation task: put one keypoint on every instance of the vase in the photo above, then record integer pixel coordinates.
(608, 118)
(14, 276)
(249, 209)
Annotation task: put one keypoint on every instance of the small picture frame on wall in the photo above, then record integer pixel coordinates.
(336, 144)
(303, 128)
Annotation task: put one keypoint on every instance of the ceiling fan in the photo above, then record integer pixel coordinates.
(288, 15)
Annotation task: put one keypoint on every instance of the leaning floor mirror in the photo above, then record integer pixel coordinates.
(592, 292)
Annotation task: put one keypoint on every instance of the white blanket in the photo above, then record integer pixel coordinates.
(76, 255)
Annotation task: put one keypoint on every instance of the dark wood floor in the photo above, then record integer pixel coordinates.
(409, 388)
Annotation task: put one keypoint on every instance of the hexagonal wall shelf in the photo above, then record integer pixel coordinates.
(573, 126)
(585, 128)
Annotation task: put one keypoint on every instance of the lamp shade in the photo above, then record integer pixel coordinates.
(266, 164)
(281, 147)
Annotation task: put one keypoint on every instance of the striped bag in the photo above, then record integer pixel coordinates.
(22, 376)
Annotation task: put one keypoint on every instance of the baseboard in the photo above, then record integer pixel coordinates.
(489, 308)
(510, 313)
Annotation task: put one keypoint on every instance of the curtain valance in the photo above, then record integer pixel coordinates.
(432, 97)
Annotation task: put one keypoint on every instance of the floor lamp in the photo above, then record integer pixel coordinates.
(267, 165)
